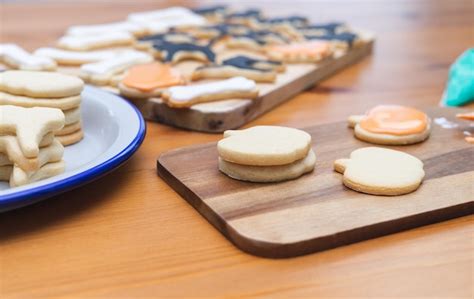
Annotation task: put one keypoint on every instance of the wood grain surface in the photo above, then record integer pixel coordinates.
(129, 235)
(316, 212)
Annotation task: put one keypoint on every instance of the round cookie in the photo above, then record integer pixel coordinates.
(40, 84)
(72, 138)
(264, 146)
(266, 174)
(391, 125)
(381, 171)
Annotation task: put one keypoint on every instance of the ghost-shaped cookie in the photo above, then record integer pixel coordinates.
(381, 171)
(391, 125)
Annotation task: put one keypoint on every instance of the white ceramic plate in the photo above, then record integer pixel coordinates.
(113, 131)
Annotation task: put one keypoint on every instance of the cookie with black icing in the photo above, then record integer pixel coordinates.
(211, 10)
(254, 40)
(214, 32)
(146, 42)
(259, 70)
(246, 17)
(292, 20)
(175, 52)
(343, 40)
(322, 29)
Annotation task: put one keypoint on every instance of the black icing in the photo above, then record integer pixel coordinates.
(260, 36)
(297, 20)
(245, 62)
(250, 13)
(347, 37)
(162, 37)
(207, 10)
(329, 27)
(172, 49)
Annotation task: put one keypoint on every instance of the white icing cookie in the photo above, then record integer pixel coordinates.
(234, 88)
(266, 174)
(125, 26)
(381, 171)
(264, 146)
(40, 84)
(66, 57)
(101, 72)
(86, 43)
(16, 57)
(30, 125)
(160, 21)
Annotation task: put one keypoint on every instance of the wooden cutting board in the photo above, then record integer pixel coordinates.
(316, 212)
(230, 114)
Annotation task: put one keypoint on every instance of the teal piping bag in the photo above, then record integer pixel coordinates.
(460, 88)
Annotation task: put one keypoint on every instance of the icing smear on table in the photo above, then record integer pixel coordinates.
(444, 123)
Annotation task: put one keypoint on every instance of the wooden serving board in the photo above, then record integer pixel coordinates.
(223, 115)
(316, 212)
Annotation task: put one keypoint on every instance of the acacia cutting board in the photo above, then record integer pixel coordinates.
(316, 212)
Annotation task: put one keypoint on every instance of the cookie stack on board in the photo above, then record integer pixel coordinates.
(266, 154)
(46, 89)
(29, 151)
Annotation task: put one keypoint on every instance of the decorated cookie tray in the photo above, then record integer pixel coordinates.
(316, 211)
(179, 66)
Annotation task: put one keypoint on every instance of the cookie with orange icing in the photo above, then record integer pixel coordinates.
(149, 80)
(302, 52)
(391, 125)
(467, 116)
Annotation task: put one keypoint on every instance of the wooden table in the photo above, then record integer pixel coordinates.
(129, 235)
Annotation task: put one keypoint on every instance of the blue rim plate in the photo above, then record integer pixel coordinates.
(113, 130)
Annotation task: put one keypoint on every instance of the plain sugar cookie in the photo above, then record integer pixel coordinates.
(40, 84)
(267, 174)
(264, 146)
(391, 125)
(381, 171)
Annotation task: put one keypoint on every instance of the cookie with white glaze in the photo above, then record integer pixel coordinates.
(381, 171)
(391, 125)
(17, 58)
(101, 73)
(233, 88)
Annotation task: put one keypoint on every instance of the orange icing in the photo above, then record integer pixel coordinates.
(147, 77)
(308, 48)
(394, 120)
(466, 116)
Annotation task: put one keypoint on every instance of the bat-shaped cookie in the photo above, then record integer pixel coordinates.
(259, 70)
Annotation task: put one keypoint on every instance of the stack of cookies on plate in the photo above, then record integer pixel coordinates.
(29, 151)
(46, 89)
(266, 154)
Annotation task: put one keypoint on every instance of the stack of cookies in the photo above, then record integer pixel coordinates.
(29, 151)
(46, 89)
(266, 154)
